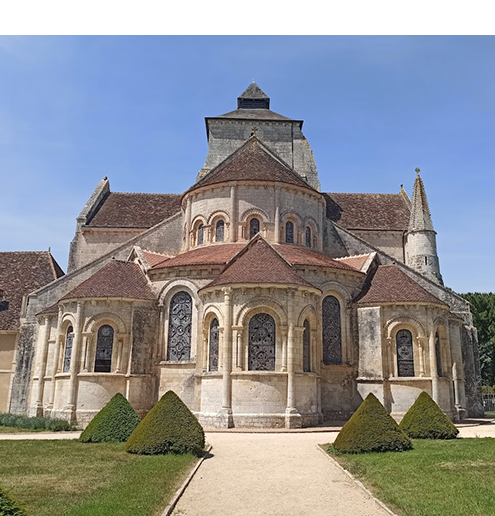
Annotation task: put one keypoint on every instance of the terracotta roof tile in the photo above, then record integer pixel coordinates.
(251, 162)
(302, 256)
(390, 285)
(115, 279)
(211, 255)
(354, 261)
(154, 258)
(21, 273)
(259, 263)
(135, 210)
(368, 211)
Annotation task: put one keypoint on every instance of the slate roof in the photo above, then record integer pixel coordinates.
(259, 263)
(368, 211)
(390, 285)
(254, 114)
(135, 210)
(115, 279)
(22, 272)
(253, 91)
(251, 162)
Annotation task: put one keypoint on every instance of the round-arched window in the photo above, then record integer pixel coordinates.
(69, 339)
(104, 348)
(289, 232)
(214, 345)
(179, 327)
(261, 350)
(219, 231)
(405, 355)
(308, 237)
(200, 235)
(254, 227)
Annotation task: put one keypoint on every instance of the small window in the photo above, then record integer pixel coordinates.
(306, 347)
(214, 345)
(219, 231)
(104, 348)
(331, 331)
(308, 237)
(289, 232)
(200, 234)
(426, 260)
(69, 339)
(254, 227)
(405, 355)
(438, 354)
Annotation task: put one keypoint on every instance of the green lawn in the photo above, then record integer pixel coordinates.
(68, 478)
(437, 478)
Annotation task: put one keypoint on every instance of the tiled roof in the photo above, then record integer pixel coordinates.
(391, 285)
(21, 273)
(135, 210)
(253, 91)
(259, 263)
(115, 279)
(302, 256)
(211, 255)
(255, 114)
(154, 258)
(354, 261)
(368, 211)
(251, 162)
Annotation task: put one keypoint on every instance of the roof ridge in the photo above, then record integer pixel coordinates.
(352, 256)
(144, 193)
(362, 193)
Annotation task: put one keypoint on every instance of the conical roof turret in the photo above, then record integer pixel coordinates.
(420, 219)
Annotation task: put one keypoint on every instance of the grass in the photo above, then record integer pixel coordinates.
(436, 478)
(68, 478)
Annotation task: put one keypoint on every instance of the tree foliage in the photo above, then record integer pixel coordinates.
(483, 309)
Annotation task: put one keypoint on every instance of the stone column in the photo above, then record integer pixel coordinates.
(39, 386)
(56, 356)
(226, 420)
(70, 409)
(433, 367)
(188, 223)
(292, 417)
(233, 213)
(277, 214)
(421, 357)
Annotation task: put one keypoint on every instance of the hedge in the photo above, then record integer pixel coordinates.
(8, 507)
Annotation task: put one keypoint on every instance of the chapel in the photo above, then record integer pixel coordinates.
(258, 298)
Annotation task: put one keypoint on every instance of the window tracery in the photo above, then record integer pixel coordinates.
(306, 347)
(179, 327)
(331, 331)
(261, 350)
(405, 354)
(69, 339)
(214, 346)
(104, 348)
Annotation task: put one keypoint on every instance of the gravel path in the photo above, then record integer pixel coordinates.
(272, 474)
(22, 436)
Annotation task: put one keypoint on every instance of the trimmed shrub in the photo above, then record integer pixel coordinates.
(114, 423)
(426, 420)
(169, 427)
(371, 429)
(8, 507)
(35, 423)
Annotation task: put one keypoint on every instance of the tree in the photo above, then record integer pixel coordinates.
(483, 309)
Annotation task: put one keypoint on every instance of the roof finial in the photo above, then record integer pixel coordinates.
(253, 81)
(417, 171)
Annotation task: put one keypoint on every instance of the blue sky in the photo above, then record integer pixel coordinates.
(75, 109)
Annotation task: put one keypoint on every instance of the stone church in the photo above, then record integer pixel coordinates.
(261, 300)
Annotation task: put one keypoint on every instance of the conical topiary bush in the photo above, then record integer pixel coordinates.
(114, 423)
(169, 427)
(371, 429)
(426, 420)
(8, 507)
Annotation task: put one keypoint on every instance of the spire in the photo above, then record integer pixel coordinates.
(253, 98)
(420, 212)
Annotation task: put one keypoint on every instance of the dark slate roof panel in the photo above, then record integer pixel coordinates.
(254, 114)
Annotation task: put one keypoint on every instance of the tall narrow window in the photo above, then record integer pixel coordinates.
(289, 232)
(405, 356)
(438, 354)
(104, 348)
(69, 338)
(261, 351)
(219, 231)
(306, 347)
(332, 332)
(214, 341)
(200, 234)
(308, 237)
(254, 227)
(179, 327)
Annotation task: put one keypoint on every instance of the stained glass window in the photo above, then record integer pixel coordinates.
(405, 356)
(254, 227)
(69, 339)
(104, 348)
(261, 352)
(306, 347)
(214, 341)
(289, 232)
(219, 231)
(331, 331)
(200, 234)
(179, 327)
(308, 237)
(438, 353)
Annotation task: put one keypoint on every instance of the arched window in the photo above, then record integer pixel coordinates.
(308, 237)
(405, 356)
(104, 348)
(289, 232)
(254, 227)
(261, 351)
(438, 353)
(219, 231)
(331, 331)
(200, 235)
(69, 339)
(214, 341)
(306, 347)
(179, 327)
